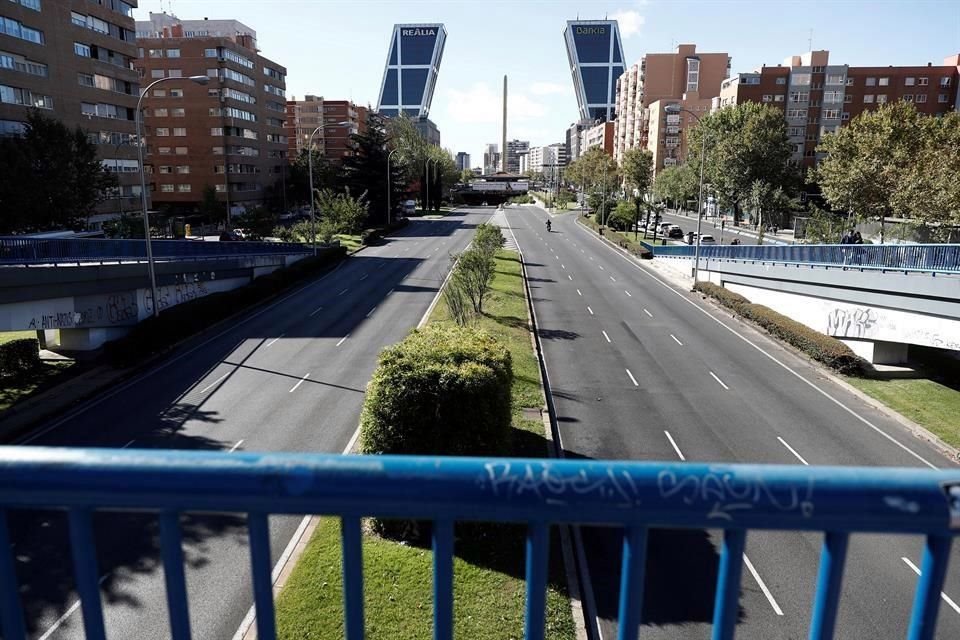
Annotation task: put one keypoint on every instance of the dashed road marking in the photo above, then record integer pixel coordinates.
(606, 336)
(793, 451)
(299, 382)
(343, 339)
(648, 313)
(719, 380)
(674, 444)
(676, 340)
(632, 379)
(214, 383)
(590, 310)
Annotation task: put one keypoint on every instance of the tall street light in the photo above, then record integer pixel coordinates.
(143, 186)
(675, 109)
(389, 193)
(426, 177)
(313, 216)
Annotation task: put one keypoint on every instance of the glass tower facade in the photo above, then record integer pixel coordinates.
(413, 63)
(596, 61)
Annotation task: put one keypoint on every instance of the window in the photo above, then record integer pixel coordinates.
(183, 168)
(233, 56)
(233, 94)
(767, 97)
(24, 97)
(159, 93)
(275, 122)
(922, 82)
(16, 29)
(29, 4)
(163, 150)
(833, 96)
(945, 81)
(81, 49)
(796, 113)
(216, 131)
(176, 93)
(220, 187)
(798, 148)
(274, 106)
(799, 96)
(908, 97)
(155, 53)
(693, 74)
(156, 73)
(218, 151)
(835, 78)
(183, 188)
(12, 128)
(173, 53)
(218, 168)
(160, 113)
(845, 115)
(778, 97)
(871, 82)
(85, 79)
(942, 98)
(166, 169)
(831, 114)
(181, 151)
(849, 82)
(868, 98)
(209, 53)
(882, 98)
(178, 112)
(814, 103)
(161, 131)
(174, 73)
(818, 69)
(180, 131)
(781, 80)
(848, 98)
(801, 78)
(793, 132)
(921, 97)
(213, 73)
(884, 82)
(909, 82)
(166, 188)
(230, 74)
(277, 91)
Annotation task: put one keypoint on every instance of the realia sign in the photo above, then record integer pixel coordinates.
(417, 32)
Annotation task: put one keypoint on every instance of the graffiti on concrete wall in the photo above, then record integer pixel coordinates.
(853, 322)
(171, 295)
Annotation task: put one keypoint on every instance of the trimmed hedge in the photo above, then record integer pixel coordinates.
(18, 357)
(441, 391)
(183, 320)
(819, 346)
(635, 248)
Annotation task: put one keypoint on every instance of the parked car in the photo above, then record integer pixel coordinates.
(674, 231)
(665, 227)
(707, 240)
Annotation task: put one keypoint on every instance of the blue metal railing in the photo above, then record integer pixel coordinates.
(636, 496)
(912, 257)
(26, 251)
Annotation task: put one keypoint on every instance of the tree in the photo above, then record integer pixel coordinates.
(341, 212)
(466, 176)
(623, 216)
(637, 169)
(326, 175)
(51, 177)
(676, 184)
(597, 173)
(744, 143)
(210, 208)
(895, 161)
(365, 171)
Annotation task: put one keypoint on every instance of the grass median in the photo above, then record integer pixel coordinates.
(489, 586)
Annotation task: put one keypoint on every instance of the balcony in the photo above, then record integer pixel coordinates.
(635, 497)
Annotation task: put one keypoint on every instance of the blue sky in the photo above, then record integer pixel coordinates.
(338, 49)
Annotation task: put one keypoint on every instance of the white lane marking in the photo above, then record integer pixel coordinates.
(675, 340)
(591, 257)
(629, 295)
(578, 292)
(606, 336)
(946, 598)
(613, 279)
(793, 451)
(316, 311)
(763, 587)
(128, 444)
(381, 265)
(215, 382)
(390, 292)
(632, 379)
(300, 382)
(66, 614)
(364, 277)
(582, 251)
(601, 267)
(648, 313)
(562, 267)
(343, 339)
(370, 313)
(344, 291)
(556, 256)
(720, 381)
(569, 277)
(234, 447)
(674, 445)
(590, 310)
(275, 339)
(813, 386)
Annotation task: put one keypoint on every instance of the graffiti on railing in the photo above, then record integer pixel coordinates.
(725, 494)
(510, 479)
(850, 323)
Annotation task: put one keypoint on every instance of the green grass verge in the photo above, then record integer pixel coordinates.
(350, 241)
(929, 403)
(488, 580)
(49, 372)
(10, 336)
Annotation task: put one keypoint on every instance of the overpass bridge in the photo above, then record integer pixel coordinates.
(878, 299)
(82, 292)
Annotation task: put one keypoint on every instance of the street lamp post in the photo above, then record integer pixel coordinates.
(313, 215)
(676, 109)
(143, 186)
(426, 177)
(389, 193)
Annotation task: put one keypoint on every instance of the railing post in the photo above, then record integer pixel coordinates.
(171, 549)
(926, 602)
(259, 529)
(11, 610)
(442, 580)
(538, 546)
(84, 551)
(631, 582)
(725, 604)
(830, 575)
(351, 540)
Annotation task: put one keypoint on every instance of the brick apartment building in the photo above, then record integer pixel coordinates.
(818, 98)
(333, 139)
(74, 61)
(229, 134)
(683, 77)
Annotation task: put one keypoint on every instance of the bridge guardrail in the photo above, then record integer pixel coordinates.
(26, 251)
(905, 257)
(637, 496)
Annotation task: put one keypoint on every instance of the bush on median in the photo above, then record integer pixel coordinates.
(18, 357)
(819, 346)
(183, 320)
(622, 241)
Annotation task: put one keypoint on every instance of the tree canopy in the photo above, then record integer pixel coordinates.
(637, 170)
(895, 161)
(51, 177)
(677, 184)
(365, 171)
(594, 170)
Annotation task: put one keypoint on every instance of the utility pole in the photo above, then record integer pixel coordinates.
(503, 155)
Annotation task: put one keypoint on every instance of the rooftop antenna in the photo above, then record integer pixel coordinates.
(810, 41)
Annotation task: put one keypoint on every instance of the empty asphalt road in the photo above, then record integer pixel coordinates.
(642, 370)
(288, 376)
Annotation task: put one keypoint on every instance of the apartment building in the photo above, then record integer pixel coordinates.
(514, 149)
(598, 135)
(463, 160)
(547, 160)
(74, 62)
(337, 121)
(818, 97)
(229, 134)
(685, 76)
